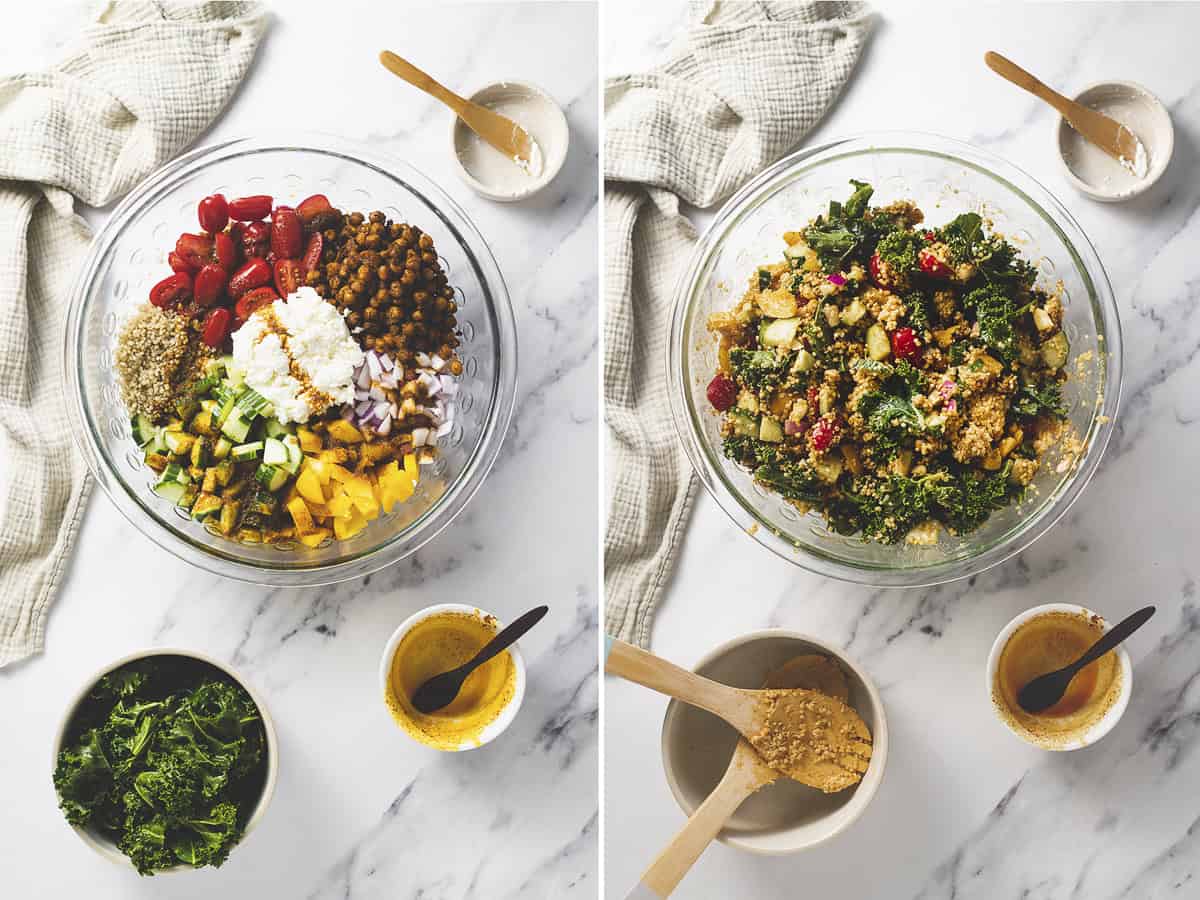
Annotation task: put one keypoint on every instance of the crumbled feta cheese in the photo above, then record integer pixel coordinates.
(298, 354)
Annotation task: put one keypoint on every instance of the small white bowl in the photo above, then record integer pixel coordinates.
(494, 728)
(534, 110)
(784, 817)
(103, 845)
(1099, 728)
(1093, 172)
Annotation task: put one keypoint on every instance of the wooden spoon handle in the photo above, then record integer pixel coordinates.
(636, 665)
(678, 857)
(419, 79)
(1010, 71)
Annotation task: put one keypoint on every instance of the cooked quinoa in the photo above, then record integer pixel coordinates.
(899, 378)
(157, 355)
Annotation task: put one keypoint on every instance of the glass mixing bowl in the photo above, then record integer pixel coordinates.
(129, 256)
(945, 178)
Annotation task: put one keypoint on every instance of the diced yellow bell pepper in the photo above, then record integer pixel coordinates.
(310, 441)
(300, 515)
(318, 510)
(340, 505)
(319, 469)
(341, 430)
(314, 538)
(349, 526)
(309, 486)
(339, 473)
(411, 467)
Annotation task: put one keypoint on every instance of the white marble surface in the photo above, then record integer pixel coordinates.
(360, 811)
(966, 810)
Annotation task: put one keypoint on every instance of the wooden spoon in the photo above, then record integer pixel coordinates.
(814, 739)
(500, 131)
(1108, 134)
(746, 774)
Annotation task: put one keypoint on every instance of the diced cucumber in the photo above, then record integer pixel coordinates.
(236, 427)
(798, 250)
(179, 441)
(202, 386)
(143, 429)
(804, 362)
(245, 452)
(770, 430)
(295, 454)
(879, 346)
(273, 478)
(185, 407)
(202, 423)
(853, 312)
(254, 404)
(189, 497)
(273, 428)
(777, 304)
(210, 406)
(199, 453)
(224, 472)
(274, 453)
(222, 447)
(228, 403)
(1056, 350)
(159, 443)
(743, 423)
(170, 491)
(205, 505)
(829, 469)
(778, 333)
(174, 473)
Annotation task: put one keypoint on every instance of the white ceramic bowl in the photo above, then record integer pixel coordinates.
(546, 124)
(1099, 728)
(497, 726)
(103, 845)
(1144, 114)
(784, 817)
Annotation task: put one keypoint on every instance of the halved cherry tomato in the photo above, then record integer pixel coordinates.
(255, 238)
(225, 250)
(287, 233)
(247, 209)
(288, 276)
(254, 273)
(311, 207)
(253, 300)
(194, 249)
(179, 264)
(171, 290)
(931, 265)
(216, 327)
(312, 253)
(209, 283)
(213, 213)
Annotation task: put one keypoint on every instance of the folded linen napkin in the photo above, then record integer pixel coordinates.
(742, 85)
(143, 81)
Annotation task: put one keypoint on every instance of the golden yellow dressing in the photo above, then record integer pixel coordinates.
(438, 644)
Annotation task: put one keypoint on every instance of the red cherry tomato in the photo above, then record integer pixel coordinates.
(213, 213)
(287, 233)
(931, 265)
(722, 392)
(874, 264)
(312, 253)
(194, 249)
(225, 249)
(254, 273)
(253, 300)
(255, 239)
(905, 345)
(179, 264)
(288, 276)
(247, 209)
(311, 207)
(173, 289)
(823, 433)
(216, 327)
(209, 284)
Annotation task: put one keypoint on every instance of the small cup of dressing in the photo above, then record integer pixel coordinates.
(436, 640)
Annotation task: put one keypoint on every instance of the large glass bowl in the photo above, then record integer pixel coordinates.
(945, 178)
(129, 256)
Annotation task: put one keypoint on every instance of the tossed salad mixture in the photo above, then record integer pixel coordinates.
(166, 756)
(901, 379)
(290, 377)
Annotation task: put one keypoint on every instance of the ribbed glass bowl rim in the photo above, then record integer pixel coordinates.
(705, 459)
(458, 493)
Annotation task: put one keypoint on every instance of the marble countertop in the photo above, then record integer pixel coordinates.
(360, 811)
(965, 809)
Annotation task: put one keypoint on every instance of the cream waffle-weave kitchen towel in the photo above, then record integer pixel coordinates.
(142, 81)
(742, 86)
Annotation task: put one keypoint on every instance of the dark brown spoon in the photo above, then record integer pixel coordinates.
(440, 690)
(1046, 690)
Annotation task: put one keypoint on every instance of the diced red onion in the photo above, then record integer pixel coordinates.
(388, 380)
(431, 441)
(437, 363)
(385, 427)
(444, 429)
(348, 413)
(792, 427)
(373, 364)
(423, 360)
(427, 460)
(363, 377)
(951, 405)
(376, 393)
(385, 362)
(449, 385)
(362, 408)
(420, 436)
(837, 278)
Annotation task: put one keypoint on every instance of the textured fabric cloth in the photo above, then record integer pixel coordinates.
(141, 83)
(741, 87)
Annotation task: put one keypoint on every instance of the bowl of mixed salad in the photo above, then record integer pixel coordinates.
(290, 361)
(895, 359)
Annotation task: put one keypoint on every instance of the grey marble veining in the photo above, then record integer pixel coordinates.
(966, 810)
(361, 811)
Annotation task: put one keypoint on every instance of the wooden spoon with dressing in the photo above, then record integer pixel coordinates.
(745, 775)
(1108, 134)
(500, 131)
